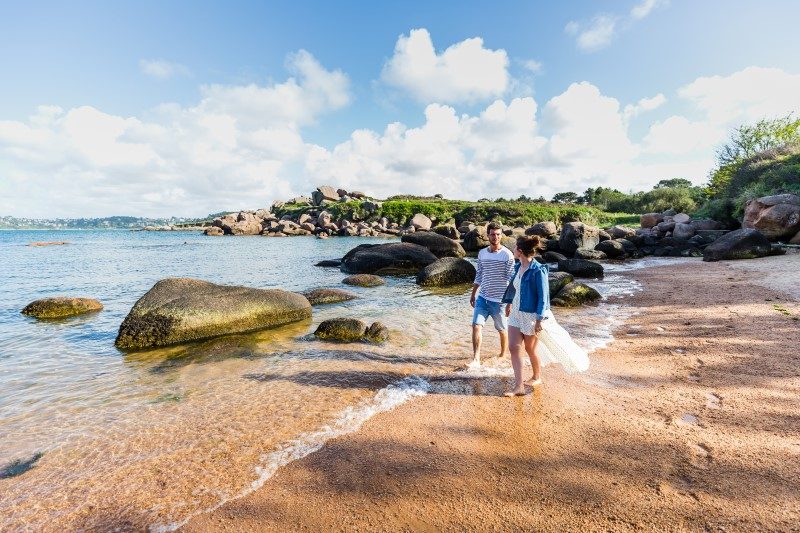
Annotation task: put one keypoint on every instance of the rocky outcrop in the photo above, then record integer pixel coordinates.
(364, 280)
(391, 258)
(739, 244)
(439, 245)
(61, 307)
(178, 310)
(581, 268)
(446, 271)
(576, 235)
(328, 296)
(575, 294)
(776, 217)
(421, 222)
(542, 229)
(214, 231)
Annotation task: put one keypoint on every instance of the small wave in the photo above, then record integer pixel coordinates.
(349, 421)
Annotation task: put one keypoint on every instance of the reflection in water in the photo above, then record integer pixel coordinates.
(151, 437)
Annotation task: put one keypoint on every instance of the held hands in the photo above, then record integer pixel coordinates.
(508, 310)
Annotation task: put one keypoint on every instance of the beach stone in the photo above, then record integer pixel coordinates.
(177, 310)
(61, 306)
(542, 229)
(621, 232)
(705, 224)
(575, 294)
(396, 257)
(329, 263)
(439, 245)
(328, 296)
(308, 226)
(581, 268)
(665, 226)
(776, 217)
(377, 333)
(683, 231)
(669, 212)
(585, 253)
(576, 235)
(558, 280)
(649, 220)
(447, 230)
(740, 244)
(476, 239)
(603, 235)
(681, 218)
(554, 257)
(631, 250)
(446, 271)
(341, 329)
(421, 222)
(214, 231)
(613, 249)
(324, 192)
(364, 280)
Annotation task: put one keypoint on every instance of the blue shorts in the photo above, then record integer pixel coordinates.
(484, 309)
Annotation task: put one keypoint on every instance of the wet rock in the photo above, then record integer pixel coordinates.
(19, 466)
(575, 294)
(328, 296)
(446, 271)
(364, 280)
(581, 268)
(394, 258)
(739, 244)
(329, 263)
(554, 257)
(613, 249)
(341, 329)
(576, 235)
(542, 229)
(585, 253)
(377, 333)
(439, 245)
(61, 306)
(558, 280)
(177, 310)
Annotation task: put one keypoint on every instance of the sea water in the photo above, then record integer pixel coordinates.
(95, 438)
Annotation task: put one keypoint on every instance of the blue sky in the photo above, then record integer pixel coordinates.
(161, 108)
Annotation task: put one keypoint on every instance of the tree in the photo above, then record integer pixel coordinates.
(565, 198)
(678, 183)
(749, 139)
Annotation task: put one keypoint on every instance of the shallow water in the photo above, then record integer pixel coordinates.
(148, 439)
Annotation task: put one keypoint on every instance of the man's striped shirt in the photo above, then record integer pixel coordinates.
(494, 272)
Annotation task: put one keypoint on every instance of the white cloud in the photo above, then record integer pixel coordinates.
(594, 35)
(162, 69)
(464, 72)
(645, 7)
(644, 105)
(532, 66)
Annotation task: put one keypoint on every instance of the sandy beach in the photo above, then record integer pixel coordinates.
(686, 422)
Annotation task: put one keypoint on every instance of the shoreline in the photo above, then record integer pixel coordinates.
(686, 421)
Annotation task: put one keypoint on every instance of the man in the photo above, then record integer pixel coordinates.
(495, 266)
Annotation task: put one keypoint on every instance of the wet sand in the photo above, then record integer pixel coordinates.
(688, 421)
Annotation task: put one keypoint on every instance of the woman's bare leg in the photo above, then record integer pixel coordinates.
(530, 342)
(515, 341)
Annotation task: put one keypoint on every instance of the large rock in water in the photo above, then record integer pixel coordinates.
(558, 280)
(391, 258)
(575, 294)
(364, 280)
(439, 245)
(581, 268)
(576, 235)
(739, 244)
(179, 310)
(61, 307)
(341, 329)
(776, 217)
(328, 296)
(446, 271)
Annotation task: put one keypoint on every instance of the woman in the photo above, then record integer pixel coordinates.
(532, 325)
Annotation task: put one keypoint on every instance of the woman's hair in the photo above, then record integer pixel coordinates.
(529, 245)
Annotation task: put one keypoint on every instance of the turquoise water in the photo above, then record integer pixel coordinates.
(150, 438)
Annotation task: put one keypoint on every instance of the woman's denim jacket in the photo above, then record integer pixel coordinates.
(534, 289)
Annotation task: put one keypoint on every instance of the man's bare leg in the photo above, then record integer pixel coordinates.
(503, 342)
(476, 345)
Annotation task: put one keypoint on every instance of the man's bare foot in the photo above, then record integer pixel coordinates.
(475, 363)
(533, 382)
(515, 392)
(502, 354)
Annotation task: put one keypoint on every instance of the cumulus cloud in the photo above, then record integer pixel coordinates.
(162, 69)
(593, 35)
(644, 105)
(645, 7)
(466, 72)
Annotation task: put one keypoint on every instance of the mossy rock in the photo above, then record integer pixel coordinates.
(364, 280)
(61, 307)
(178, 310)
(559, 280)
(446, 271)
(377, 333)
(574, 295)
(328, 296)
(341, 329)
